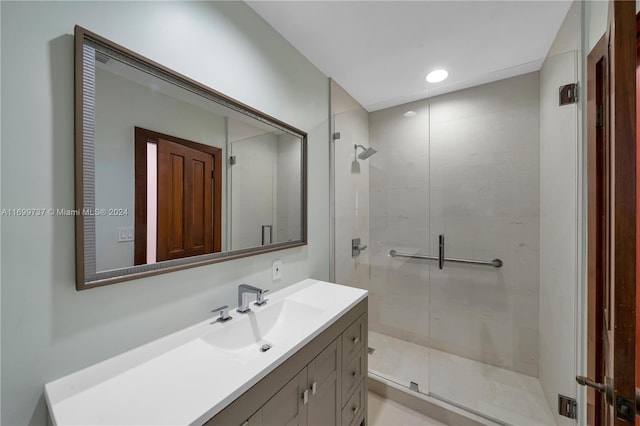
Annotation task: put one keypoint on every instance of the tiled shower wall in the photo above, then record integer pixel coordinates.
(465, 165)
(399, 208)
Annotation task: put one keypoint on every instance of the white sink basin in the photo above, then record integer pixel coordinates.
(250, 335)
(187, 377)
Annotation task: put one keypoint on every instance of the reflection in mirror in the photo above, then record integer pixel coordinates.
(127, 99)
(177, 199)
(264, 183)
(176, 174)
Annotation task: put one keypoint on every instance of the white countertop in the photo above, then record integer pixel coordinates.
(184, 378)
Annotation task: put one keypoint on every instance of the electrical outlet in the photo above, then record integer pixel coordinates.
(276, 270)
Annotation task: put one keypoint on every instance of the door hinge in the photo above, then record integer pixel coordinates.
(567, 406)
(232, 160)
(569, 94)
(336, 136)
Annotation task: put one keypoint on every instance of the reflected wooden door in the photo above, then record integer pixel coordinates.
(186, 216)
(185, 213)
(612, 221)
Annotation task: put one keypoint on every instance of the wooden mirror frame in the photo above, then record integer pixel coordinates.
(86, 274)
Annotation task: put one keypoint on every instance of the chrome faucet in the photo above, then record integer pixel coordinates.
(244, 292)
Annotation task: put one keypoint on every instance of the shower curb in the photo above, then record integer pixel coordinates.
(427, 405)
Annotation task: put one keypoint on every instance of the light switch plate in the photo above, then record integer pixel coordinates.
(276, 270)
(125, 234)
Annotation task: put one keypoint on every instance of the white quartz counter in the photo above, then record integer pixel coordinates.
(189, 376)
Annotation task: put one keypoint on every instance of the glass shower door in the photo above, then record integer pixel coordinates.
(485, 152)
(399, 210)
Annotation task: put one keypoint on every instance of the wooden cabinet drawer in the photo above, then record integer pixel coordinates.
(352, 373)
(352, 411)
(353, 339)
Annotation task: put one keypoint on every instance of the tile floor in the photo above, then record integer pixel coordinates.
(385, 412)
(495, 392)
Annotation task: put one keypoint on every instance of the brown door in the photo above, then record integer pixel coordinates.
(612, 221)
(189, 200)
(185, 214)
(599, 222)
(637, 215)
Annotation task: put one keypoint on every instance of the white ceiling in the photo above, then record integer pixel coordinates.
(381, 51)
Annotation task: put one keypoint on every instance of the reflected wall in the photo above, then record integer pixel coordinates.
(121, 105)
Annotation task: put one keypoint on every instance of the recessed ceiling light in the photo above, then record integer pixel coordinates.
(437, 76)
(409, 113)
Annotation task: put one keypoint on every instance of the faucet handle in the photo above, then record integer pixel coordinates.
(260, 300)
(224, 313)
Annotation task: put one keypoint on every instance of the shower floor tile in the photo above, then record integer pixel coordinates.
(399, 361)
(495, 392)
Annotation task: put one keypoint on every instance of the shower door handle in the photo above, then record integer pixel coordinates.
(441, 251)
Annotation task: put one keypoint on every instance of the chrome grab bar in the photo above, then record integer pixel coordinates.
(496, 263)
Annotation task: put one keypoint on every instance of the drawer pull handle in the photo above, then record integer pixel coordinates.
(355, 409)
(314, 388)
(246, 423)
(355, 340)
(305, 397)
(354, 373)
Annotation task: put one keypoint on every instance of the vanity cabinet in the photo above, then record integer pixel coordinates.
(284, 408)
(310, 398)
(323, 384)
(323, 387)
(354, 373)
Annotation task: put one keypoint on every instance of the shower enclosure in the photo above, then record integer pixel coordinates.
(449, 207)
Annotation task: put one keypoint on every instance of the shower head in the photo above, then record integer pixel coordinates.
(368, 152)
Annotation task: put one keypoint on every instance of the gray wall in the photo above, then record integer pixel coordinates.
(48, 328)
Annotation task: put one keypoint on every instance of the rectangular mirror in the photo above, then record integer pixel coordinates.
(171, 174)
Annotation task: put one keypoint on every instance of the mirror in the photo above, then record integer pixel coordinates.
(171, 174)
